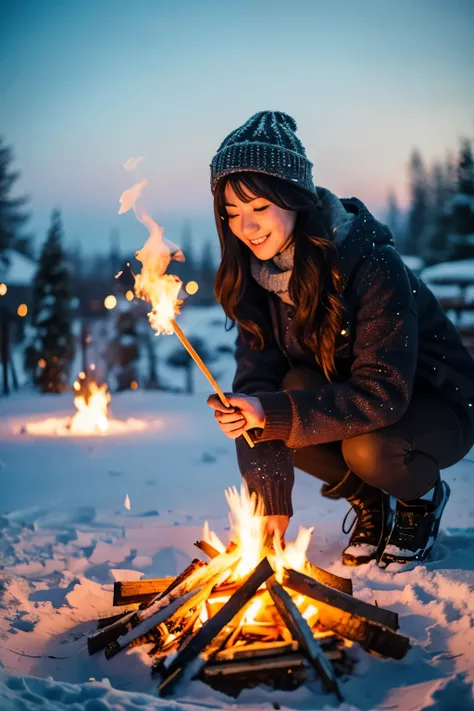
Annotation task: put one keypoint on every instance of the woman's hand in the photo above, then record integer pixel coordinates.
(276, 525)
(245, 413)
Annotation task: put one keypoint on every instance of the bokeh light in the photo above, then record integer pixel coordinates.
(110, 302)
(191, 287)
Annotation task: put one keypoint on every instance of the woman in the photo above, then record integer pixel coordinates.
(347, 366)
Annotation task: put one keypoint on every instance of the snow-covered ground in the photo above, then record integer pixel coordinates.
(65, 536)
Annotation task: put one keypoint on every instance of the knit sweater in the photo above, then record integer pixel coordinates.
(395, 337)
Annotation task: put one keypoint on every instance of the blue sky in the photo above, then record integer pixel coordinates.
(85, 85)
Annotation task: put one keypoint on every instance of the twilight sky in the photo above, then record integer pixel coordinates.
(85, 84)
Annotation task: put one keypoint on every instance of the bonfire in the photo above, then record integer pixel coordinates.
(91, 418)
(258, 612)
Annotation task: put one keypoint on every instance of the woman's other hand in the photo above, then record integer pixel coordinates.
(245, 413)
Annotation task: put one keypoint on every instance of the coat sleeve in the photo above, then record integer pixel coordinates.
(385, 354)
(258, 371)
(267, 468)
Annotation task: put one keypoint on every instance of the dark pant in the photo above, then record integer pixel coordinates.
(404, 459)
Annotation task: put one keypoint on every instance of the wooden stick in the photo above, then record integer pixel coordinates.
(207, 548)
(200, 363)
(150, 623)
(242, 666)
(330, 596)
(256, 649)
(350, 624)
(106, 635)
(127, 592)
(326, 578)
(214, 627)
(301, 631)
(110, 619)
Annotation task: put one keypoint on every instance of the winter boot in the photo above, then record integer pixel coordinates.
(371, 522)
(415, 527)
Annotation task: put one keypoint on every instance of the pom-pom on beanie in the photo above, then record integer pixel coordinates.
(266, 143)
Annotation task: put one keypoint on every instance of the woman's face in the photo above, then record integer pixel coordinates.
(265, 228)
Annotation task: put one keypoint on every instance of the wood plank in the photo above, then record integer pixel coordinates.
(370, 635)
(301, 631)
(106, 635)
(132, 591)
(206, 548)
(329, 579)
(336, 598)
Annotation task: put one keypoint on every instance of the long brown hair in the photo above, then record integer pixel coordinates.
(315, 283)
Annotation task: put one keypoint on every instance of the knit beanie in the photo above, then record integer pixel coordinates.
(266, 143)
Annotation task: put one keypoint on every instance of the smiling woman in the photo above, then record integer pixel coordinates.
(347, 367)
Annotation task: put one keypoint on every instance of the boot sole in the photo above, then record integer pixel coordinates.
(423, 553)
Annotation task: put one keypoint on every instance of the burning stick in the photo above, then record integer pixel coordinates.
(162, 290)
(195, 356)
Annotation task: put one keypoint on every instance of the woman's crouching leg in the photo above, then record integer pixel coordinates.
(405, 459)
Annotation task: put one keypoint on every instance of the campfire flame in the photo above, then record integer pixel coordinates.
(247, 532)
(91, 404)
(152, 284)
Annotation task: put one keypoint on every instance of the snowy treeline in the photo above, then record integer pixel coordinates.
(439, 225)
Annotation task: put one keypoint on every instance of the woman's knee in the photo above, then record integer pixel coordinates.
(302, 378)
(390, 463)
(365, 454)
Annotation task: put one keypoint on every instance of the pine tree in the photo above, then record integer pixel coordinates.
(419, 210)
(434, 239)
(50, 353)
(12, 214)
(207, 275)
(460, 208)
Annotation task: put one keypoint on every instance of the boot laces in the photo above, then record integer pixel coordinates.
(363, 516)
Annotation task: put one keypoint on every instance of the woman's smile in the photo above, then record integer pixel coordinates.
(259, 241)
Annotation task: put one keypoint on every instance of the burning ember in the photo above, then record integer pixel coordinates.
(258, 612)
(91, 419)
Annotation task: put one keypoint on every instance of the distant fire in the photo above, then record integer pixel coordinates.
(91, 418)
(91, 401)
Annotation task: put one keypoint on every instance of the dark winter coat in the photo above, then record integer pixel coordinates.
(395, 338)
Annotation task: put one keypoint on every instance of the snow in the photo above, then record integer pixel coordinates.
(66, 534)
(462, 270)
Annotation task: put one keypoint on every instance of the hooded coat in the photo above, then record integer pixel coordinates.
(395, 338)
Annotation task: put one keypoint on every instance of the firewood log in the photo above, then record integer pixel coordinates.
(131, 591)
(301, 631)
